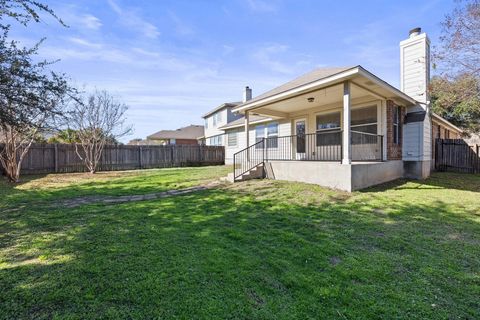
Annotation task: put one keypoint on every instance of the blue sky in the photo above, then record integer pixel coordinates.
(171, 61)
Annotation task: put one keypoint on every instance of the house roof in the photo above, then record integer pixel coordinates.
(241, 122)
(320, 78)
(191, 132)
(220, 107)
(311, 76)
(447, 123)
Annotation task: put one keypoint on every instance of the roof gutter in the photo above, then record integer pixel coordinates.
(299, 90)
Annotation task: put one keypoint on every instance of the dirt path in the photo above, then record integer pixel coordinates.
(75, 202)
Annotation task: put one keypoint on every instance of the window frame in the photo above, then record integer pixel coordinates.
(229, 134)
(271, 143)
(367, 124)
(327, 130)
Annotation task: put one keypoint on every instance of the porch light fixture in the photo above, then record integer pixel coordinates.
(311, 99)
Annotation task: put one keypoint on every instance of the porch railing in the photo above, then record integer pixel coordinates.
(366, 146)
(325, 146)
(320, 146)
(248, 158)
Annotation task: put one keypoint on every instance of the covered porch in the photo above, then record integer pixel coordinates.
(335, 121)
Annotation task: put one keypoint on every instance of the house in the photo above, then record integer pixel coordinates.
(341, 127)
(189, 135)
(218, 117)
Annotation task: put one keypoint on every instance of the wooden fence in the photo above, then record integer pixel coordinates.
(50, 158)
(456, 155)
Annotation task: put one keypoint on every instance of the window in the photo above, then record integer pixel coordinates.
(206, 123)
(272, 135)
(173, 141)
(216, 140)
(217, 118)
(396, 125)
(232, 138)
(269, 131)
(328, 129)
(363, 120)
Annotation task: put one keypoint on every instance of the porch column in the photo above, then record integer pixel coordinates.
(346, 142)
(247, 133)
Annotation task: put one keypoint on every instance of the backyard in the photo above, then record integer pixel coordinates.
(260, 249)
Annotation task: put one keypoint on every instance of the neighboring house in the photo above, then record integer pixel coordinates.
(183, 136)
(221, 116)
(342, 127)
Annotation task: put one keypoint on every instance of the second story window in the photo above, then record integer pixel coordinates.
(217, 118)
(206, 123)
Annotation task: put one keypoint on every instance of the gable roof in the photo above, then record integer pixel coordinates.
(320, 78)
(306, 78)
(220, 107)
(190, 132)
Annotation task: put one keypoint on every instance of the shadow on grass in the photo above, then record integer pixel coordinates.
(33, 190)
(438, 180)
(226, 254)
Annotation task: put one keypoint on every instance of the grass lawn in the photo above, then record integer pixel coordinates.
(260, 249)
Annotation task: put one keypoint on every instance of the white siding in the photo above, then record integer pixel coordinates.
(414, 81)
(415, 67)
(412, 135)
(284, 129)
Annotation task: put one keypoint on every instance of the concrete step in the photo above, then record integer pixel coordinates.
(255, 173)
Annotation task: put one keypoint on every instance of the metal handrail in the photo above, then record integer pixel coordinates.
(245, 160)
(308, 147)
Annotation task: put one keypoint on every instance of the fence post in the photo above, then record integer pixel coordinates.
(477, 168)
(55, 157)
(140, 156)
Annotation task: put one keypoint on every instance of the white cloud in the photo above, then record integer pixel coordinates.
(181, 26)
(132, 19)
(265, 56)
(261, 6)
(370, 48)
(84, 42)
(90, 22)
(227, 49)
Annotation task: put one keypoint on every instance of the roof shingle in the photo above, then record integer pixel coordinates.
(190, 132)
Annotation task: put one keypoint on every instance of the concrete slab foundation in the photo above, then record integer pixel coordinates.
(347, 177)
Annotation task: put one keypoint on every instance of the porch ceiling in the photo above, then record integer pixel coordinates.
(322, 97)
(327, 91)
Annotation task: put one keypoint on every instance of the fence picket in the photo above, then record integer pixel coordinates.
(456, 155)
(50, 158)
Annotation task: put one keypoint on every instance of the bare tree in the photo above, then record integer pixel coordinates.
(97, 120)
(459, 50)
(456, 90)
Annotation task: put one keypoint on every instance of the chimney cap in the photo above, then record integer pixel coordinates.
(414, 32)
